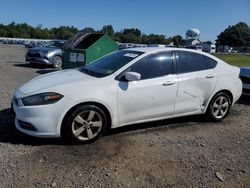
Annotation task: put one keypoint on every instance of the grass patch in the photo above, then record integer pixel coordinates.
(234, 59)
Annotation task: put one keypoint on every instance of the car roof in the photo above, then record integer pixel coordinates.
(164, 49)
(149, 49)
(159, 49)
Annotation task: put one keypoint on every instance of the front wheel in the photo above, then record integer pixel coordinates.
(85, 124)
(57, 62)
(219, 107)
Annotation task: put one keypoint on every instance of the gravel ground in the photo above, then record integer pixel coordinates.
(184, 152)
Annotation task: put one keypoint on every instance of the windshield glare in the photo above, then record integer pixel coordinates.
(109, 64)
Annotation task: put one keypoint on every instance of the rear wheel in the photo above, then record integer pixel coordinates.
(57, 62)
(85, 124)
(219, 107)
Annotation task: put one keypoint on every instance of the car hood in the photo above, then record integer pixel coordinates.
(53, 80)
(43, 49)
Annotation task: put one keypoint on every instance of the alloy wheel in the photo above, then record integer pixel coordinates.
(87, 125)
(220, 107)
(57, 62)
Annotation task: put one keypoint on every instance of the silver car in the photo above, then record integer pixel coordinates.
(50, 54)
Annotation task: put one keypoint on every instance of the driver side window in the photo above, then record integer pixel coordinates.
(154, 66)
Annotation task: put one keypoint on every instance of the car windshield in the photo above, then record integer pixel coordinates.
(53, 44)
(109, 64)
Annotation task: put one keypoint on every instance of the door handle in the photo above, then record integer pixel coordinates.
(210, 76)
(168, 83)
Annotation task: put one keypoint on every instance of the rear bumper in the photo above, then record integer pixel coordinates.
(237, 91)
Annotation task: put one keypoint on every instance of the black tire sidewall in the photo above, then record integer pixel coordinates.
(66, 130)
(210, 110)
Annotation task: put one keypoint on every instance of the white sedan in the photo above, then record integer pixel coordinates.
(126, 87)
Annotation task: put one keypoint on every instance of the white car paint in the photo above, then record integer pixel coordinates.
(133, 102)
(149, 102)
(194, 90)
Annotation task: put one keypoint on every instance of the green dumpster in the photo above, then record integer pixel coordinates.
(83, 48)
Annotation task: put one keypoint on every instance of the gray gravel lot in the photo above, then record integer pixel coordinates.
(184, 152)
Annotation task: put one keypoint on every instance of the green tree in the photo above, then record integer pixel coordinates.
(64, 32)
(236, 36)
(108, 29)
(155, 39)
(117, 36)
(178, 41)
(133, 31)
(130, 38)
(132, 35)
(208, 42)
(89, 30)
(3, 30)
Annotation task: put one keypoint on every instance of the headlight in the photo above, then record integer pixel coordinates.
(41, 99)
(44, 53)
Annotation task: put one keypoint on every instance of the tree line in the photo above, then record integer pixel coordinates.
(128, 35)
(236, 35)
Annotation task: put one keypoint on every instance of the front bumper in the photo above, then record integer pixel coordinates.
(41, 60)
(45, 119)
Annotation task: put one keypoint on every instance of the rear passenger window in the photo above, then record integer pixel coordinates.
(190, 62)
(153, 66)
(210, 63)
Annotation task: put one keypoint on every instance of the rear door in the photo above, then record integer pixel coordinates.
(197, 80)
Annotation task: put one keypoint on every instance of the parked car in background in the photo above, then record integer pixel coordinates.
(245, 78)
(125, 45)
(233, 51)
(198, 48)
(49, 53)
(126, 87)
(30, 44)
(210, 48)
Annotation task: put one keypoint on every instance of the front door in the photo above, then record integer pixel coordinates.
(151, 97)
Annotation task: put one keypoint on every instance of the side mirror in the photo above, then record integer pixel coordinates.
(132, 76)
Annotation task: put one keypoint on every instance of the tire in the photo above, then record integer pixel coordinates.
(57, 62)
(85, 124)
(219, 107)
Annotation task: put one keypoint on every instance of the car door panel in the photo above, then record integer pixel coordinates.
(154, 95)
(146, 99)
(196, 82)
(194, 91)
